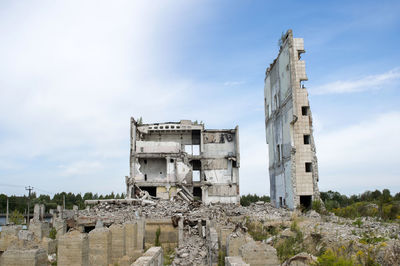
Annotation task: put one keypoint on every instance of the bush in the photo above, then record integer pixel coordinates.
(16, 217)
(53, 233)
(317, 206)
(331, 258)
(246, 200)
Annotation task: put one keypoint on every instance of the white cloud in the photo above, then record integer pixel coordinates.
(362, 156)
(372, 82)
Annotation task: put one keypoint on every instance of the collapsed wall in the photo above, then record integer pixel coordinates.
(293, 168)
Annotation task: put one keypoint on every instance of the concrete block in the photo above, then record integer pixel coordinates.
(234, 242)
(7, 240)
(40, 229)
(50, 245)
(100, 247)
(235, 261)
(258, 254)
(25, 257)
(154, 256)
(117, 242)
(25, 235)
(130, 237)
(73, 249)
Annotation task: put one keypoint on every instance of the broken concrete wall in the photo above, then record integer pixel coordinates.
(152, 257)
(169, 235)
(9, 234)
(25, 257)
(100, 247)
(73, 249)
(259, 254)
(235, 261)
(287, 126)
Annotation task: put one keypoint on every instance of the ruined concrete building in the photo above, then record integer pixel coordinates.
(183, 158)
(293, 168)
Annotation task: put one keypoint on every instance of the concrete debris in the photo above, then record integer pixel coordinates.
(301, 259)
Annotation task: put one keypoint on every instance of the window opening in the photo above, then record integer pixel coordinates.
(308, 167)
(307, 139)
(304, 110)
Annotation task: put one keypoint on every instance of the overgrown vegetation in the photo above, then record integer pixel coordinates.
(349, 256)
(246, 200)
(16, 217)
(169, 255)
(221, 257)
(292, 245)
(259, 231)
(157, 240)
(376, 203)
(53, 233)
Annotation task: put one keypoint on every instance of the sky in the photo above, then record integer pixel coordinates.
(72, 73)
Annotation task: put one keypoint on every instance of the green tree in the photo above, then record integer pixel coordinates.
(16, 217)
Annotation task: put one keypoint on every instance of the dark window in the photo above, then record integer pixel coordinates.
(171, 160)
(145, 161)
(197, 193)
(308, 167)
(145, 177)
(305, 201)
(304, 110)
(278, 152)
(234, 164)
(152, 190)
(307, 139)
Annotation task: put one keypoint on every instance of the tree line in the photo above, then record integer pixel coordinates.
(20, 203)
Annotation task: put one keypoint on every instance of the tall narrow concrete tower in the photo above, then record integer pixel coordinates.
(293, 167)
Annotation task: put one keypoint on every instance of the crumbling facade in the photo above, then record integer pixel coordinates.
(293, 168)
(184, 159)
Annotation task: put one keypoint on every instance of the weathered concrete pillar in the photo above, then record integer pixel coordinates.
(25, 257)
(213, 245)
(259, 254)
(118, 249)
(42, 211)
(235, 261)
(180, 232)
(141, 229)
(60, 211)
(61, 227)
(131, 238)
(100, 247)
(73, 249)
(36, 213)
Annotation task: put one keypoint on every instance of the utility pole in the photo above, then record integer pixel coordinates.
(7, 212)
(29, 188)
